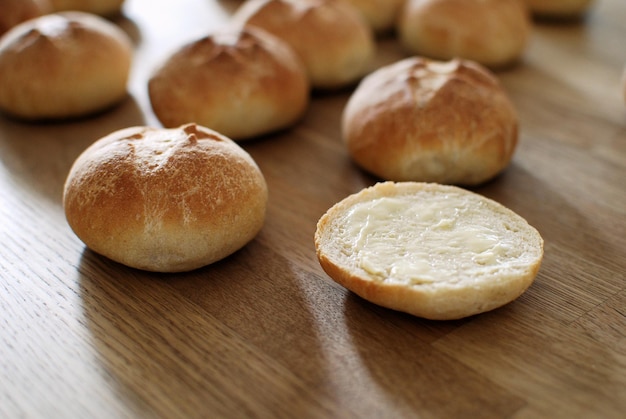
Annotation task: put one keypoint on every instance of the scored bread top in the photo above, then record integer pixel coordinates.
(165, 200)
(431, 121)
(334, 42)
(241, 82)
(435, 251)
(63, 65)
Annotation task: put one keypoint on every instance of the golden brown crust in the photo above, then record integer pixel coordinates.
(430, 121)
(241, 83)
(439, 301)
(165, 200)
(456, 304)
(492, 32)
(80, 60)
(14, 12)
(99, 7)
(333, 41)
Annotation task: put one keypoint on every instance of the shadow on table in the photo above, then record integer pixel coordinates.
(415, 377)
(40, 155)
(235, 336)
(397, 349)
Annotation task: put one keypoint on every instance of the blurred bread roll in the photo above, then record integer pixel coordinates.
(494, 33)
(13, 12)
(243, 83)
(431, 121)
(559, 8)
(99, 7)
(381, 15)
(165, 200)
(63, 65)
(434, 251)
(334, 42)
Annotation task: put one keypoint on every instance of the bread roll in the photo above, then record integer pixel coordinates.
(63, 65)
(430, 121)
(381, 15)
(494, 33)
(241, 83)
(18, 11)
(99, 7)
(332, 39)
(434, 251)
(165, 200)
(559, 8)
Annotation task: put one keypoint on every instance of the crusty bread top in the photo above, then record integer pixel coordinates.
(241, 82)
(425, 120)
(165, 200)
(79, 59)
(332, 39)
(435, 251)
(494, 33)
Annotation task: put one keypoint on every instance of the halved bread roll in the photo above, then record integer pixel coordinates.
(165, 200)
(435, 251)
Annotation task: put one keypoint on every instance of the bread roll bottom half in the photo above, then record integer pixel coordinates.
(165, 200)
(435, 251)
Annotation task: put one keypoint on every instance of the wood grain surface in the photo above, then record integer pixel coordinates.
(265, 333)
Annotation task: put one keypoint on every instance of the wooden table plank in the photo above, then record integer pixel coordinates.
(265, 333)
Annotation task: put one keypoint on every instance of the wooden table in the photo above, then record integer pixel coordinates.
(265, 333)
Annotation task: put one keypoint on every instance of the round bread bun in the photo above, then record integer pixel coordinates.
(63, 65)
(99, 7)
(434, 251)
(165, 200)
(559, 8)
(333, 40)
(381, 15)
(242, 83)
(431, 121)
(494, 33)
(18, 11)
